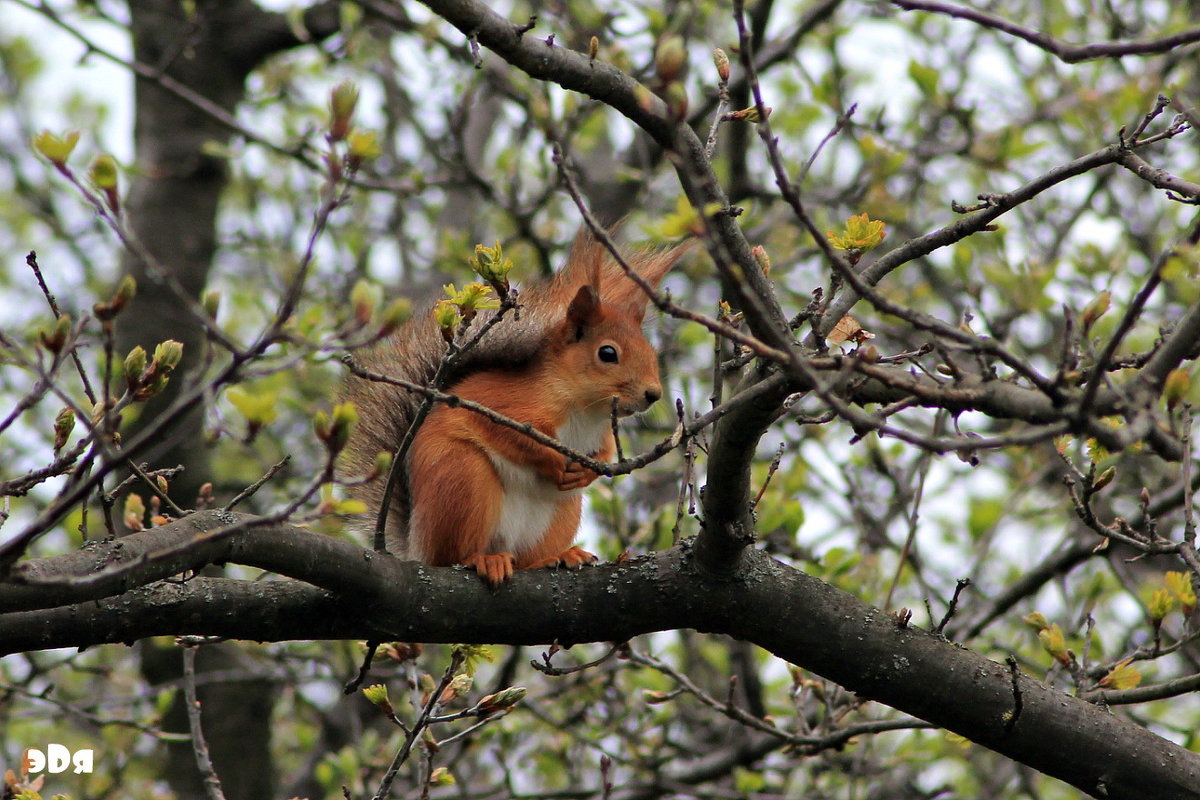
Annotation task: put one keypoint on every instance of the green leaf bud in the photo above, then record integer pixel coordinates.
(321, 426)
(1179, 584)
(342, 101)
(1160, 604)
(382, 465)
(344, 418)
(377, 693)
(677, 100)
(442, 777)
(1054, 643)
(506, 698)
(448, 318)
(53, 339)
(135, 367)
(168, 354)
(210, 301)
(1104, 479)
(363, 146)
(64, 423)
(57, 149)
(364, 299)
(1095, 310)
(103, 172)
(722, 64)
(670, 59)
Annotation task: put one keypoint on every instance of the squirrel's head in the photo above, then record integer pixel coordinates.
(602, 355)
(602, 348)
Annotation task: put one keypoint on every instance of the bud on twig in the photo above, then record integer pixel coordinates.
(1095, 310)
(135, 367)
(748, 114)
(1036, 620)
(1179, 584)
(1160, 604)
(321, 426)
(126, 290)
(1054, 643)
(168, 354)
(64, 423)
(345, 417)
(491, 264)
(448, 318)
(722, 63)
(441, 777)
(383, 463)
(378, 694)
(103, 175)
(210, 301)
(134, 512)
(55, 338)
(364, 299)
(334, 428)
(501, 700)
(342, 101)
(363, 147)
(761, 258)
(677, 100)
(56, 149)
(397, 312)
(1104, 479)
(670, 59)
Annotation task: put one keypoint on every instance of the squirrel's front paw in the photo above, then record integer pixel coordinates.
(493, 568)
(575, 476)
(571, 558)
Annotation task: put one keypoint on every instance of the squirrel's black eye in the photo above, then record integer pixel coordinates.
(608, 354)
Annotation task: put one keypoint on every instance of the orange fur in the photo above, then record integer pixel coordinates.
(485, 495)
(490, 497)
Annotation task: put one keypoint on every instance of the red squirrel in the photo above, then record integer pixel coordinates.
(485, 495)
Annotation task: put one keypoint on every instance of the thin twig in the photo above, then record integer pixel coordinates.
(429, 709)
(249, 491)
(212, 783)
(1065, 51)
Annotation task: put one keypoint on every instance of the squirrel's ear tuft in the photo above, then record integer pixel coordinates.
(585, 264)
(591, 264)
(620, 291)
(584, 311)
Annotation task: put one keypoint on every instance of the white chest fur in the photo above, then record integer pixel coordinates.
(531, 501)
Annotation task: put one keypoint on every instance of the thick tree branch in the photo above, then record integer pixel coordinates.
(728, 522)
(775, 606)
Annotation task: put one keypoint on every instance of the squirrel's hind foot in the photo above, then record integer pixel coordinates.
(494, 568)
(571, 558)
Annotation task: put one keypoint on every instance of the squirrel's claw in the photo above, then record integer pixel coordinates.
(493, 568)
(572, 558)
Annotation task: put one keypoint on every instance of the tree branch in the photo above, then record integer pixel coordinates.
(770, 604)
(1070, 53)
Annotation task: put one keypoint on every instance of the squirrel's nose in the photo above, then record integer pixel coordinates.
(652, 396)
